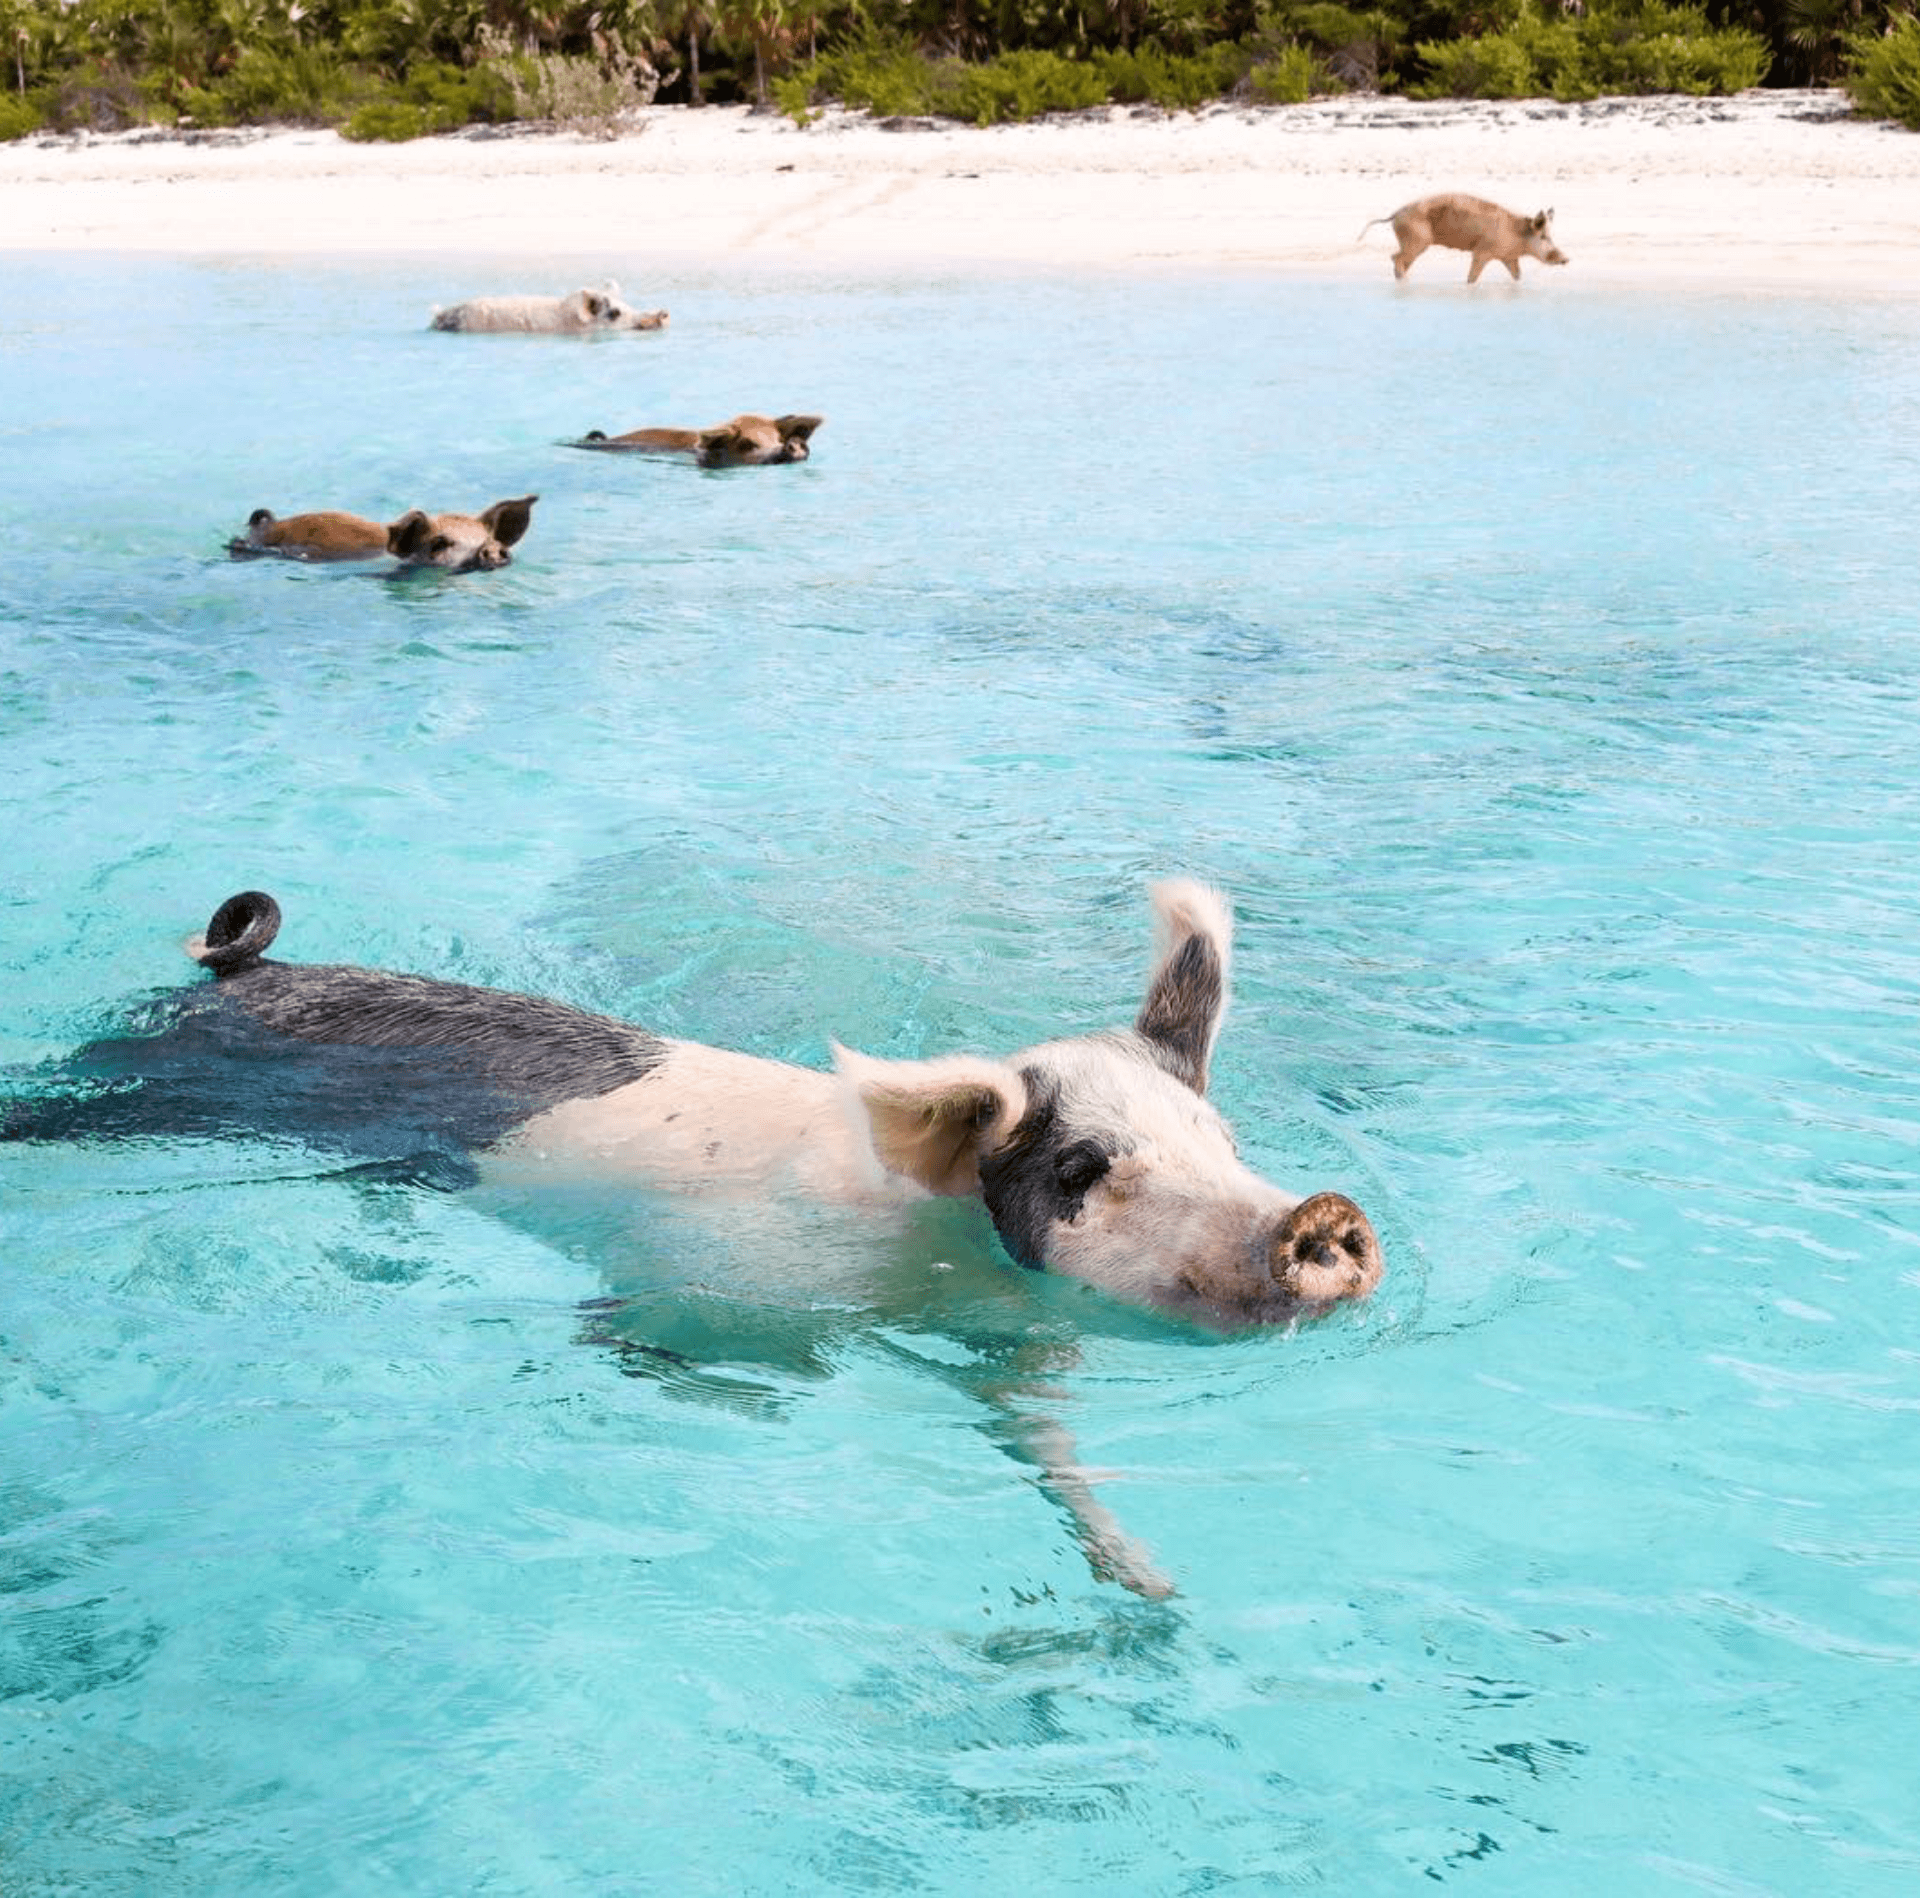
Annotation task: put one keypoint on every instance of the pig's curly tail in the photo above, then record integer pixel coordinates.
(238, 933)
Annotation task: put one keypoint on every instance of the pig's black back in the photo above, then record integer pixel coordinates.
(377, 1065)
(538, 1051)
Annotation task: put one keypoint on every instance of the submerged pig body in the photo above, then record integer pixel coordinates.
(1097, 1156)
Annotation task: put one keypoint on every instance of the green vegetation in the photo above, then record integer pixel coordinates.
(1630, 48)
(885, 73)
(374, 68)
(1884, 70)
(385, 69)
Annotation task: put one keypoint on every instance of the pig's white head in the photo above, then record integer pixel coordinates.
(1101, 1156)
(606, 309)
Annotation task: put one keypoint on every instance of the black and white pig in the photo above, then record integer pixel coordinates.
(1099, 1156)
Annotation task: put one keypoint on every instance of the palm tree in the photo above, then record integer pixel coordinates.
(763, 25)
(691, 18)
(1818, 30)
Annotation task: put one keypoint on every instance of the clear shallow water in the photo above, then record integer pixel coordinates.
(1535, 670)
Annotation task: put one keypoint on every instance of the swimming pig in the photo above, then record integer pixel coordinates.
(584, 312)
(746, 441)
(1456, 222)
(1097, 1156)
(461, 543)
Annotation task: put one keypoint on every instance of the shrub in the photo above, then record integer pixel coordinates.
(1495, 66)
(585, 95)
(432, 99)
(874, 71)
(108, 99)
(390, 121)
(1670, 49)
(1019, 86)
(1285, 79)
(302, 85)
(21, 113)
(1654, 47)
(1882, 74)
(1355, 51)
(397, 35)
(884, 74)
(1178, 81)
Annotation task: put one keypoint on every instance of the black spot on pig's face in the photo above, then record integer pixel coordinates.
(1039, 1179)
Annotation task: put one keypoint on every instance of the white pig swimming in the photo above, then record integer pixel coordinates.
(579, 313)
(1097, 1156)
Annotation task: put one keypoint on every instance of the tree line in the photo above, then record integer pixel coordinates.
(402, 68)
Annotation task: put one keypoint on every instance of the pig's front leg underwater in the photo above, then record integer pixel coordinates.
(1112, 1554)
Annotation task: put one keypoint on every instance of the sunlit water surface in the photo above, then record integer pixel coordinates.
(1537, 672)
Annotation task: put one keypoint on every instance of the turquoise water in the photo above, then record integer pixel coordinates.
(1537, 673)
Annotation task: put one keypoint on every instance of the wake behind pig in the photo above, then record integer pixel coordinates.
(1098, 1156)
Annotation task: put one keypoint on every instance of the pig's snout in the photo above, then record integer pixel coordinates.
(1325, 1250)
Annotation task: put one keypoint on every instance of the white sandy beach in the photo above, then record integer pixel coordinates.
(1767, 189)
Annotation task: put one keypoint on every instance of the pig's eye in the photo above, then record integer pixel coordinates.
(1079, 1166)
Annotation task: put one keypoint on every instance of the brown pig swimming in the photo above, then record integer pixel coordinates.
(748, 441)
(1457, 222)
(1097, 1156)
(461, 543)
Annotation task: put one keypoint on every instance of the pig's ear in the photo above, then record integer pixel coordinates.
(1187, 992)
(798, 427)
(713, 440)
(930, 1121)
(508, 521)
(409, 534)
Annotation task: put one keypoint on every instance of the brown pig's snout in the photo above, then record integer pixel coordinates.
(1326, 1249)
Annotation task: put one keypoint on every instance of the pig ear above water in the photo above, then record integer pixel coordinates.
(508, 521)
(409, 534)
(1187, 992)
(929, 1121)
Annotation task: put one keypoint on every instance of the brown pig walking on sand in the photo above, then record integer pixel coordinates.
(1457, 222)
